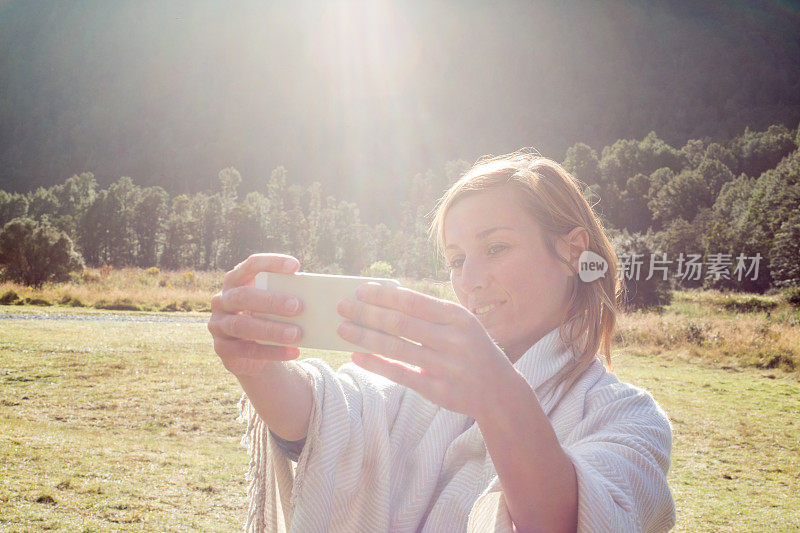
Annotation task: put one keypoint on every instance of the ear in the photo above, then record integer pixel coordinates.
(573, 244)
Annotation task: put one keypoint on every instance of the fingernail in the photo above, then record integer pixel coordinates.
(363, 291)
(288, 264)
(346, 306)
(289, 334)
(346, 329)
(291, 305)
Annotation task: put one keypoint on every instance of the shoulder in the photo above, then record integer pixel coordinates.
(621, 451)
(603, 389)
(611, 403)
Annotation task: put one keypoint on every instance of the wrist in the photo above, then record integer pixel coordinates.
(507, 393)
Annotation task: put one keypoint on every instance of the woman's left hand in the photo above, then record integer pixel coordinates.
(459, 367)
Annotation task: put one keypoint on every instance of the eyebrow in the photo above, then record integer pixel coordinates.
(485, 233)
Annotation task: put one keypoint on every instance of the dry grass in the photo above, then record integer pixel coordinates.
(127, 289)
(709, 327)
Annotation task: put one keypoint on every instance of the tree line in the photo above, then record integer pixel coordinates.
(709, 198)
(129, 225)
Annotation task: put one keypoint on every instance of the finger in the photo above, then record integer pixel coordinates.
(393, 370)
(255, 329)
(388, 345)
(245, 272)
(255, 300)
(232, 348)
(410, 302)
(394, 322)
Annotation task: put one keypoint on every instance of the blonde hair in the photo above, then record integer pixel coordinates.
(554, 200)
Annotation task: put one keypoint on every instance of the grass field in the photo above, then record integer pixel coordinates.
(131, 426)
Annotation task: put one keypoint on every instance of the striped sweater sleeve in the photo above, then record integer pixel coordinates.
(341, 480)
(621, 453)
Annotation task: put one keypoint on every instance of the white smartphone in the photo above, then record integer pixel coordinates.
(320, 294)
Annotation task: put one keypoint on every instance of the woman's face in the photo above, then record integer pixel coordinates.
(502, 271)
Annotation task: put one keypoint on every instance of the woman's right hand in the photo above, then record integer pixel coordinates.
(235, 330)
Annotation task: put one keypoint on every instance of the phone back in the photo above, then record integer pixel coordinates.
(320, 294)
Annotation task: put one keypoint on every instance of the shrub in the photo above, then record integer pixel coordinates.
(33, 253)
(9, 297)
(792, 296)
(772, 358)
(432, 287)
(379, 269)
(45, 498)
(640, 292)
(695, 333)
(120, 304)
(202, 307)
(153, 271)
(175, 306)
(747, 304)
(90, 276)
(71, 301)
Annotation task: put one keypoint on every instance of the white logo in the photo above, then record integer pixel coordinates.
(591, 266)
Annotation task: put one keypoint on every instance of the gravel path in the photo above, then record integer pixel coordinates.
(101, 317)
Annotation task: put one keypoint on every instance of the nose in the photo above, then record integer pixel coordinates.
(473, 276)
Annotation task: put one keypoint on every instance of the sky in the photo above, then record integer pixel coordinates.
(354, 93)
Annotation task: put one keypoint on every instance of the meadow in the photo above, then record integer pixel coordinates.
(132, 426)
(726, 330)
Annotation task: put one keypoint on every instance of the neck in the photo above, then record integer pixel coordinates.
(516, 351)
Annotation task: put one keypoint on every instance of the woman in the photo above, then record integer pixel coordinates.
(492, 415)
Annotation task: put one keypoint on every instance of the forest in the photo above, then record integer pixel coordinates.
(711, 200)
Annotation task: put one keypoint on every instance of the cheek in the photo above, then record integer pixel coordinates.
(543, 287)
(557, 291)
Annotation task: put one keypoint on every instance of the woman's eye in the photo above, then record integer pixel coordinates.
(496, 248)
(456, 262)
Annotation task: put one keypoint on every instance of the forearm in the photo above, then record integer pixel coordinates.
(282, 395)
(539, 481)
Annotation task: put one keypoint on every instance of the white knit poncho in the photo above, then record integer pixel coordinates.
(379, 457)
